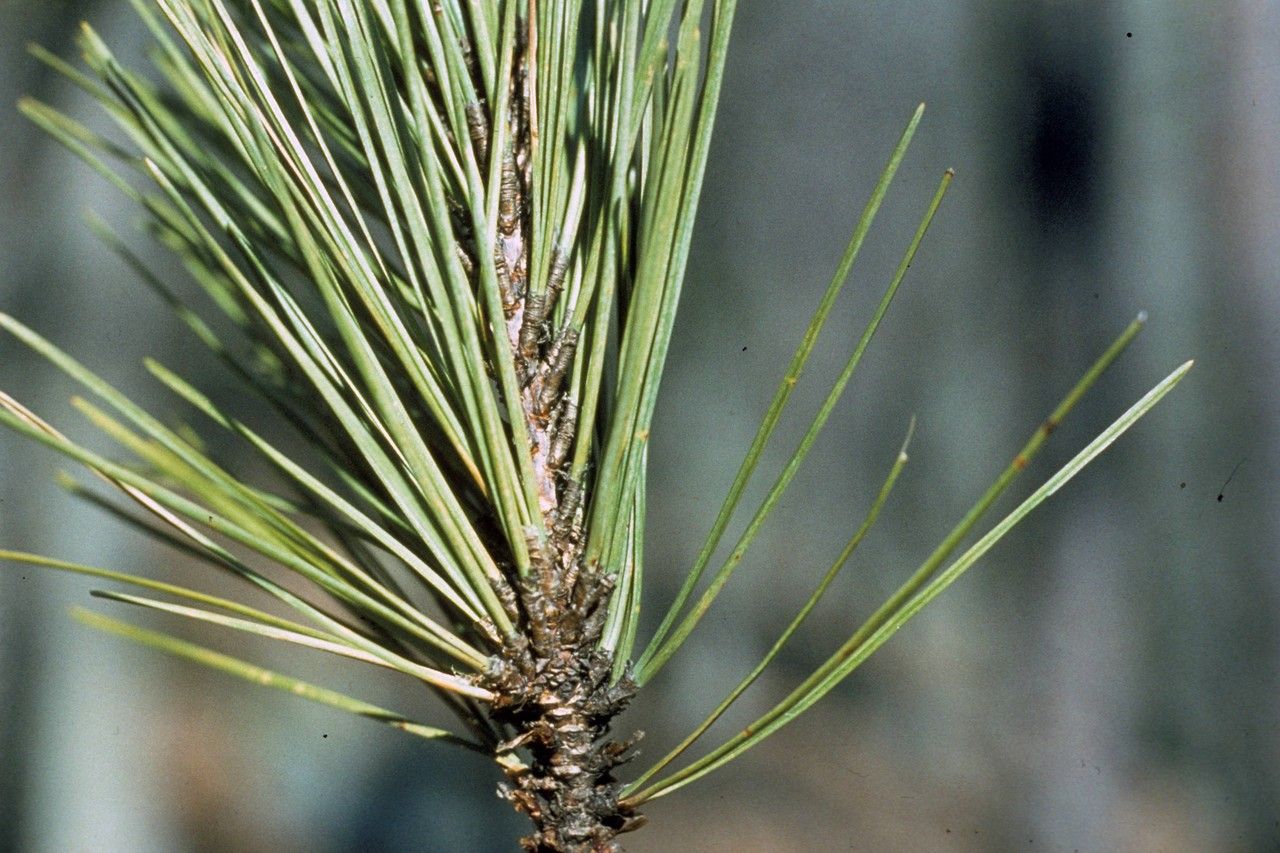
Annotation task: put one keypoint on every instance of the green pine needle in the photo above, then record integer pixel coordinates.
(444, 243)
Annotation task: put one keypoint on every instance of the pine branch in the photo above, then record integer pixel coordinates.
(445, 244)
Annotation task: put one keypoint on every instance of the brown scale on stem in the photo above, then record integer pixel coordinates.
(478, 128)
(553, 684)
(560, 701)
(507, 596)
(506, 287)
(562, 440)
(535, 313)
(552, 352)
(557, 367)
(509, 196)
(556, 277)
(568, 510)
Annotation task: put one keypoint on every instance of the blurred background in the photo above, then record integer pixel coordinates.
(1107, 679)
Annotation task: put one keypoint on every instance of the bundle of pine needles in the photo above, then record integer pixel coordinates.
(444, 242)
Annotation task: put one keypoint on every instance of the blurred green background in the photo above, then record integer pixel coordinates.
(1108, 679)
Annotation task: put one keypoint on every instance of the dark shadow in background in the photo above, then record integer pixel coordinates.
(53, 25)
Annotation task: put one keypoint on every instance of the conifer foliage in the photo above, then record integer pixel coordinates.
(443, 242)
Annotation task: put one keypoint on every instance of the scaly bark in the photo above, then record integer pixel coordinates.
(554, 690)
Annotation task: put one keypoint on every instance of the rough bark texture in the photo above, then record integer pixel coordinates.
(560, 701)
(553, 690)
